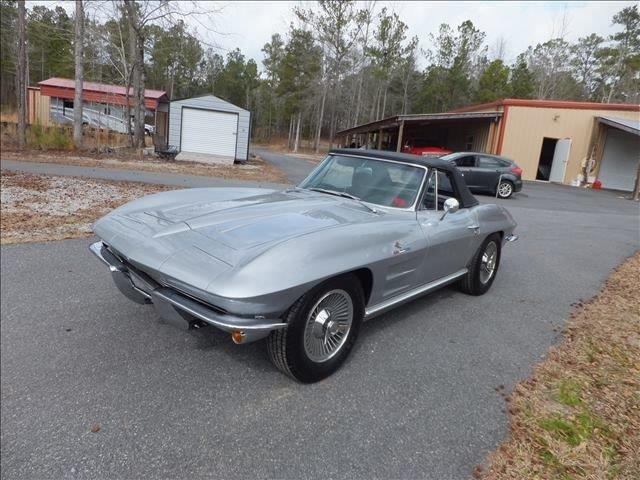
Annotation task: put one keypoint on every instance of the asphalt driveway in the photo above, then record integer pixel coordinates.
(417, 398)
(295, 168)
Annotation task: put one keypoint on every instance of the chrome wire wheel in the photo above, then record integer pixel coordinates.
(328, 325)
(488, 262)
(505, 189)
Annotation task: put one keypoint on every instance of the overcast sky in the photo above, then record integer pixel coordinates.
(250, 24)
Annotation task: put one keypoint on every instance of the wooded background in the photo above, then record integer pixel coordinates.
(339, 64)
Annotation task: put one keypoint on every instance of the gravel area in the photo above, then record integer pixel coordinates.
(38, 208)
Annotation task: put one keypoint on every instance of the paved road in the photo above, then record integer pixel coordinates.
(415, 400)
(295, 168)
(130, 175)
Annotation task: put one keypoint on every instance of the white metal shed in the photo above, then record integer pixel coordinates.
(208, 129)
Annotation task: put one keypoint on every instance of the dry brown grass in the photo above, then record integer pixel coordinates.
(578, 416)
(304, 150)
(38, 208)
(256, 169)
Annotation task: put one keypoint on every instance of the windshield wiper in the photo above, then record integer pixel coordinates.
(345, 195)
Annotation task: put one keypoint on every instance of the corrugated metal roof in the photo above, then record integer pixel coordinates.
(392, 122)
(626, 124)
(99, 87)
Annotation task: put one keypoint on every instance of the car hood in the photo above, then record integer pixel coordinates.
(232, 229)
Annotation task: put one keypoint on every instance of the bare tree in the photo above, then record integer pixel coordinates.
(79, 74)
(22, 76)
(136, 49)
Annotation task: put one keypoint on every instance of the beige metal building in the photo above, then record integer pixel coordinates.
(551, 140)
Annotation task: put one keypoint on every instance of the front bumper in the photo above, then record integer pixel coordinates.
(177, 308)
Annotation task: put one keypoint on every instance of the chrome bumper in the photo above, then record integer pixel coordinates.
(176, 308)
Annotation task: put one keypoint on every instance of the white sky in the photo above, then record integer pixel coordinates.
(250, 24)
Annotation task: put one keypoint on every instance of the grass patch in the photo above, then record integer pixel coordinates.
(578, 417)
(569, 392)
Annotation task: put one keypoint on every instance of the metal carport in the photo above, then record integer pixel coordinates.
(477, 131)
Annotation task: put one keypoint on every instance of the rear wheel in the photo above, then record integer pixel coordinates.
(483, 267)
(505, 189)
(322, 328)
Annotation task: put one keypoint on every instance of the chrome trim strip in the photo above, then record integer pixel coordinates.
(96, 249)
(206, 315)
(392, 302)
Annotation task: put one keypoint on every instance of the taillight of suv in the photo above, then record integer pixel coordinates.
(517, 171)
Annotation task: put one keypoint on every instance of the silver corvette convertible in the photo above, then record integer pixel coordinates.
(365, 232)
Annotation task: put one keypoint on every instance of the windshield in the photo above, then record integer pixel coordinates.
(375, 181)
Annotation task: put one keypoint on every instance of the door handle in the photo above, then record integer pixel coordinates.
(475, 228)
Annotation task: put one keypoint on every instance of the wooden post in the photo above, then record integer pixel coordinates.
(400, 132)
(379, 145)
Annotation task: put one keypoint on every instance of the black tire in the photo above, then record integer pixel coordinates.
(505, 189)
(472, 282)
(286, 347)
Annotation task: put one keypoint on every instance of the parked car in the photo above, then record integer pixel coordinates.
(484, 173)
(425, 150)
(365, 232)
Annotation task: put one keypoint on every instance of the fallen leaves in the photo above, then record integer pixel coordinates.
(579, 414)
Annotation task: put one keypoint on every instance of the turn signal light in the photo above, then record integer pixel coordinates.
(237, 336)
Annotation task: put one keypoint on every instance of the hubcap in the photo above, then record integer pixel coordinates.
(504, 189)
(328, 325)
(488, 262)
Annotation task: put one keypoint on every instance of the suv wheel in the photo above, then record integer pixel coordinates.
(505, 189)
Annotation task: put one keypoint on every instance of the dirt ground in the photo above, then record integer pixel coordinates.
(578, 416)
(39, 208)
(255, 169)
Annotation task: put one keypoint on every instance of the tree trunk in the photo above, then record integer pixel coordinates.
(320, 119)
(22, 76)
(136, 50)
(79, 75)
(295, 145)
(332, 124)
(384, 101)
(290, 133)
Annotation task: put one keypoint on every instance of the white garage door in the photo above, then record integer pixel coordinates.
(619, 160)
(209, 132)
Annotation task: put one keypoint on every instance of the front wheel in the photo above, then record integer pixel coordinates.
(322, 328)
(483, 267)
(505, 189)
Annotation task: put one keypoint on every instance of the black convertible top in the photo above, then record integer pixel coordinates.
(466, 198)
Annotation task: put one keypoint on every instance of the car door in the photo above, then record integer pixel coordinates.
(450, 240)
(488, 172)
(466, 164)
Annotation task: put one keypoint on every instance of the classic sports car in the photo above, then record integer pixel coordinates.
(365, 232)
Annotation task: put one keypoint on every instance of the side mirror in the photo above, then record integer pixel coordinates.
(451, 205)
